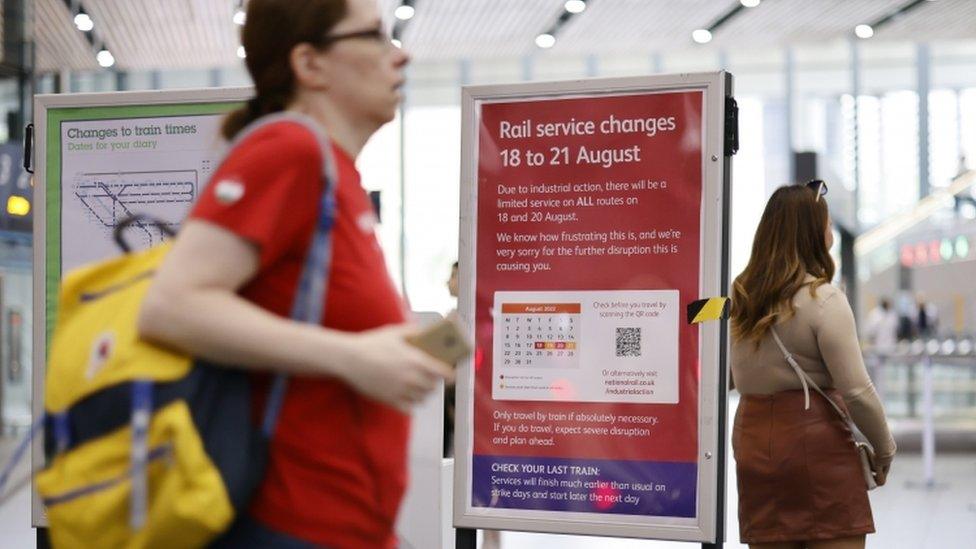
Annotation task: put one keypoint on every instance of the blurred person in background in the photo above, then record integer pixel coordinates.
(881, 329)
(926, 318)
(449, 391)
(881, 340)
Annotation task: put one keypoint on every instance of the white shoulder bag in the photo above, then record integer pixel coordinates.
(864, 450)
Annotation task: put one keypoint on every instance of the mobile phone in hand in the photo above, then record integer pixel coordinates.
(442, 340)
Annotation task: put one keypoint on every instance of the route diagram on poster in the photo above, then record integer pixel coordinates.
(108, 198)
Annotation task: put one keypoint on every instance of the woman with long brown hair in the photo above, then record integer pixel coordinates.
(326, 77)
(800, 478)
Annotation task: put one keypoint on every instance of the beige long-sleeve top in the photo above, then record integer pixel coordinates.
(823, 340)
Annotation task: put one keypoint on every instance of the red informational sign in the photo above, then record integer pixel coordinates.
(589, 235)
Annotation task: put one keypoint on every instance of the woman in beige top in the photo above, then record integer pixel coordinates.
(799, 475)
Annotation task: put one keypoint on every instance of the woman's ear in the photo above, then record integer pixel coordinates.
(308, 66)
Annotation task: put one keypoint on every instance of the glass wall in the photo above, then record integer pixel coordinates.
(873, 148)
(432, 169)
(379, 165)
(801, 99)
(15, 331)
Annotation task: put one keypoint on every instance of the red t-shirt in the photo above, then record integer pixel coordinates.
(337, 469)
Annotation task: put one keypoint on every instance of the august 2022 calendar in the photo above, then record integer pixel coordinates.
(540, 335)
(590, 346)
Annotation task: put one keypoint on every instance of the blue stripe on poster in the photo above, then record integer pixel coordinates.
(645, 488)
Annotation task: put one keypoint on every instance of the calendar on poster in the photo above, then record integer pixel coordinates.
(630, 355)
(592, 215)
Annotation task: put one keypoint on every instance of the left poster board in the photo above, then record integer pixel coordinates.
(100, 157)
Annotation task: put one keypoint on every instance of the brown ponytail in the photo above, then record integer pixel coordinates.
(272, 29)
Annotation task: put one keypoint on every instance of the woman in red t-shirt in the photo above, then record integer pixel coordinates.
(337, 467)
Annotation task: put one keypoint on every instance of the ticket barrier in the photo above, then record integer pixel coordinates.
(919, 356)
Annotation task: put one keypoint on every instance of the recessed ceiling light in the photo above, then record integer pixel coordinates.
(241, 52)
(404, 13)
(575, 6)
(240, 16)
(545, 40)
(702, 36)
(105, 58)
(84, 22)
(750, 3)
(864, 31)
(396, 42)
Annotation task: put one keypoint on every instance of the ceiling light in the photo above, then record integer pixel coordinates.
(404, 12)
(84, 22)
(396, 42)
(240, 52)
(105, 58)
(545, 40)
(864, 31)
(702, 36)
(575, 6)
(240, 16)
(750, 3)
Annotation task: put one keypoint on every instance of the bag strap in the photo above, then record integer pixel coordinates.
(18, 454)
(806, 380)
(142, 406)
(313, 281)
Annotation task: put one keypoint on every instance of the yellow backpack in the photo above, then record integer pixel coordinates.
(128, 464)
(149, 447)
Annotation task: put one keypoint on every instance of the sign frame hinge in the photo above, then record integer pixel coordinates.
(731, 138)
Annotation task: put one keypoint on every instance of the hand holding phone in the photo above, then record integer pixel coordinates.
(442, 340)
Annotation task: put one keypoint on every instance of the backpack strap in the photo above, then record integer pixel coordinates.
(313, 281)
(142, 406)
(18, 454)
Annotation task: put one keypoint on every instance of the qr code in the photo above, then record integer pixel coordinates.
(628, 342)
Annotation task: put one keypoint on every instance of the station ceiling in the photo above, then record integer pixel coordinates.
(185, 34)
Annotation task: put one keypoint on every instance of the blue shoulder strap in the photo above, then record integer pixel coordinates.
(313, 281)
(307, 307)
(19, 452)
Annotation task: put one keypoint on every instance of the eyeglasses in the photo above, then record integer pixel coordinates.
(818, 186)
(376, 34)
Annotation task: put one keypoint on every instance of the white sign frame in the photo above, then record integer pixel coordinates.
(708, 526)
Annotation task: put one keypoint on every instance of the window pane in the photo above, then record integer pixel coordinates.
(869, 146)
(943, 137)
(749, 185)
(967, 108)
(379, 165)
(899, 144)
(432, 173)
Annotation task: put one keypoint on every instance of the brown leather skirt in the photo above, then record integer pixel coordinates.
(799, 475)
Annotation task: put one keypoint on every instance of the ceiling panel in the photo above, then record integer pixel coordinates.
(477, 28)
(941, 20)
(629, 26)
(171, 34)
(148, 34)
(59, 45)
(779, 22)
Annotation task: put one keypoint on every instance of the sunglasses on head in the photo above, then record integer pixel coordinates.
(818, 186)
